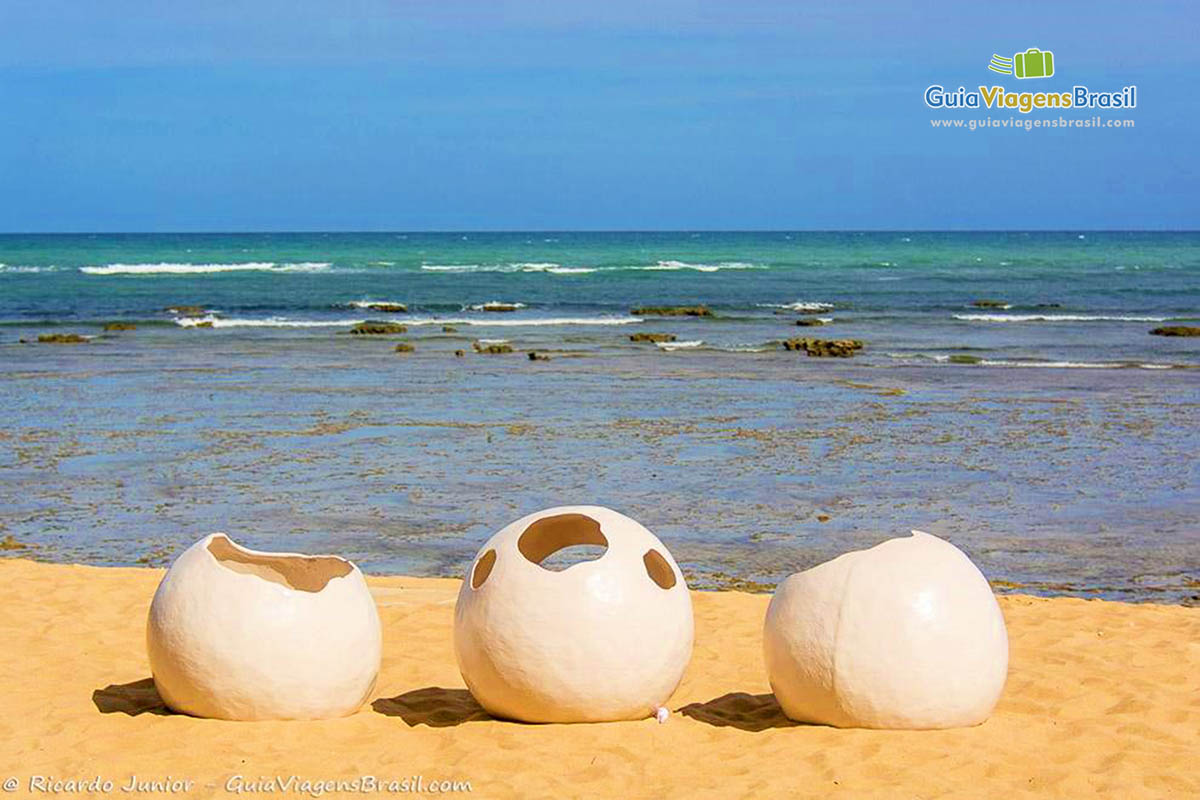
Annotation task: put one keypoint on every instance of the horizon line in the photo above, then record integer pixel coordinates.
(460, 231)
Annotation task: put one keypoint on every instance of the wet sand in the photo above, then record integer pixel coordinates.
(1053, 481)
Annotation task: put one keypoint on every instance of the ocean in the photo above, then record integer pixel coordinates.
(1008, 396)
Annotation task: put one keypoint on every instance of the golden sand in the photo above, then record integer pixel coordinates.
(1102, 699)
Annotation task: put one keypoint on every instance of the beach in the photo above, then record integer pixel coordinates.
(1101, 700)
(1008, 396)
(828, 388)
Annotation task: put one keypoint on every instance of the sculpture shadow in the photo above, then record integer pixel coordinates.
(747, 712)
(138, 697)
(432, 706)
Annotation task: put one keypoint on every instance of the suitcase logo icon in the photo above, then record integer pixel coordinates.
(1033, 63)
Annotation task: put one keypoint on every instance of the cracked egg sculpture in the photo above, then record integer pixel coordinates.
(602, 640)
(906, 634)
(240, 634)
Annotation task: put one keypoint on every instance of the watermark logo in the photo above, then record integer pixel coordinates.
(1000, 64)
(1033, 63)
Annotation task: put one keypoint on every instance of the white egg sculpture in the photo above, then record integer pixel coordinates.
(602, 640)
(906, 634)
(240, 634)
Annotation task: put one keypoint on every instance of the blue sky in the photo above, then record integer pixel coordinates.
(122, 116)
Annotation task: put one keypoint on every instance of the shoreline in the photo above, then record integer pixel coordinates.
(702, 579)
(1099, 699)
(714, 582)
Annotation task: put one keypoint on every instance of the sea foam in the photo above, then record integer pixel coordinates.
(270, 322)
(552, 268)
(678, 265)
(368, 304)
(453, 267)
(942, 358)
(167, 268)
(1071, 364)
(679, 345)
(799, 305)
(22, 269)
(1056, 318)
(284, 322)
(520, 266)
(508, 322)
(494, 305)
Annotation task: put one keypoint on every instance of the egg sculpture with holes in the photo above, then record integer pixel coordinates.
(906, 634)
(240, 634)
(602, 640)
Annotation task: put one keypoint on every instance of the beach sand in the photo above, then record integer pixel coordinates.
(1102, 699)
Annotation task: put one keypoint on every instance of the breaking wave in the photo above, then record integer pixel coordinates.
(522, 266)
(553, 268)
(21, 269)
(679, 345)
(943, 358)
(495, 305)
(1071, 364)
(677, 265)
(167, 268)
(369, 304)
(285, 322)
(799, 305)
(211, 321)
(1056, 318)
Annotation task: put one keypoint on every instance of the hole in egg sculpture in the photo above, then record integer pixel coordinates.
(658, 569)
(302, 573)
(483, 568)
(562, 541)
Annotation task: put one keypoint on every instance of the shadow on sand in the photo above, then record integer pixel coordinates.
(138, 697)
(444, 708)
(747, 712)
(432, 706)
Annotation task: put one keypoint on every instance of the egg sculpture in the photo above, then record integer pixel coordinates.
(906, 634)
(240, 634)
(602, 640)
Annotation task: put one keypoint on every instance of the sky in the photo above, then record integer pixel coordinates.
(374, 115)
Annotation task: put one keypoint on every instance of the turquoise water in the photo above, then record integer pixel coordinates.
(906, 290)
(1062, 457)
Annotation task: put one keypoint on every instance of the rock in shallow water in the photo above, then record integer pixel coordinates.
(825, 348)
(672, 311)
(373, 328)
(652, 337)
(1176, 330)
(494, 348)
(61, 338)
